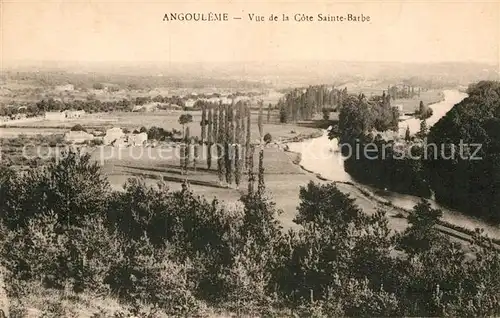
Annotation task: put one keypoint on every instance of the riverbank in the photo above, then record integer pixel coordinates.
(439, 109)
(452, 223)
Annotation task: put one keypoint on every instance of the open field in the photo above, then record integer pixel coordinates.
(132, 120)
(428, 97)
(283, 178)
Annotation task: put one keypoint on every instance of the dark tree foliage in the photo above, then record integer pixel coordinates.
(471, 181)
(248, 136)
(228, 145)
(187, 150)
(251, 174)
(179, 253)
(302, 104)
(221, 141)
(71, 186)
(210, 137)
(260, 122)
(203, 123)
(261, 186)
(238, 162)
(269, 109)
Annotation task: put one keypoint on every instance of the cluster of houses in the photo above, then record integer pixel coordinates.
(67, 114)
(216, 100)
(5, 119)
(112, 137)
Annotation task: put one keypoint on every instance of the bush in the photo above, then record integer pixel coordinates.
(326, 113)
(268, 138)
(78, 127)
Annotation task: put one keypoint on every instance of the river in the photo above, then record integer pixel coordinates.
(451, 97)
(322, 156)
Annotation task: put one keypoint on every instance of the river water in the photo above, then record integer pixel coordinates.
(451, 97)
(322, 156)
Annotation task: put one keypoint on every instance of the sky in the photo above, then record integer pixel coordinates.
(132, 31)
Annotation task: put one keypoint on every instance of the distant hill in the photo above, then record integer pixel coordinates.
(282, 74)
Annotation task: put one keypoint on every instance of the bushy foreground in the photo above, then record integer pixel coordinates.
(158, 253)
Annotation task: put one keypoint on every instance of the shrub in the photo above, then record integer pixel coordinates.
(78, 127)
(268, 138)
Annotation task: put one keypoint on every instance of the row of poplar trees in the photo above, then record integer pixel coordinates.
(226, 133)
(303, 103)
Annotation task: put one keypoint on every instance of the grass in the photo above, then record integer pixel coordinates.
(130, 120)
(410, 105)
(283, 178)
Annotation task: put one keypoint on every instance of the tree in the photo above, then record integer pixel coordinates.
(421, 108)
(261, 184)
(269, 113)
(237, 155)
(260, 120)
(210, 138)
(268, 138)
(185, 119)
(204, 122)
(248, 136)
(196, 151)
(72, 186)
(78, 127)
(251, 176)
(407, 134)
(187, 150)
(221, 166)
(423, 129)
(422, 234)
(326, 113)
(215, 120)
(229, 145)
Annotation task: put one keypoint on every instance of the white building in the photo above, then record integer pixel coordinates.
(190, 103)
(65, 88)
(114, 136)
(78, 137)
(55, 115)
(72, 114)
(137, 139)
(67, 114)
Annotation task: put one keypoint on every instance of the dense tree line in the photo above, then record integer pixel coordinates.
(469, 183)
(444, 159)
(372, 159)
(359, 114)
(403, 91)
(64, 229)
(302, 104)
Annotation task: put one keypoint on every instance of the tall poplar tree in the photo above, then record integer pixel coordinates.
(215, 128)
(261, 186)
(221, 167)
(203, 122)
(187, 149)
(251, 176)
(237, 148)
(210, 138)
(269, 113)
(248, 135)
(260, 123)
(229, 144)
(196, 148)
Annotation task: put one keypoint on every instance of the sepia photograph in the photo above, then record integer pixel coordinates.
(235, 158)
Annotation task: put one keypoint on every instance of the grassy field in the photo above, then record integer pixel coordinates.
(410, 105)
(283, 178)
(130, 120)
